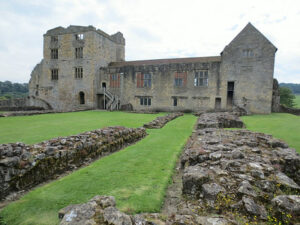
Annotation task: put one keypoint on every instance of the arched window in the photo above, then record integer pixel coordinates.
(81, 98)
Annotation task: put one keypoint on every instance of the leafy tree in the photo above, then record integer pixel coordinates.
(294, 87)
(286, 97)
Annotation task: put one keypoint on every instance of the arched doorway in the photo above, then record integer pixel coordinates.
(81, 98)
(103, 85)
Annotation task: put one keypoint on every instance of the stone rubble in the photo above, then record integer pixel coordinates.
(24, 166)
(228, 177)
(161, 121)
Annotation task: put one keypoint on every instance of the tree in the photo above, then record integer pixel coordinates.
(286, 97)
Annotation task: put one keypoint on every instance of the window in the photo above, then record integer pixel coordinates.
(54, 74)
(79, 36)
(247, 53)
(175, 101)
(79, 53)
(201, 78)
(54, 53)
(143, 80)
(54, 39)
(81, 98)
(180, 79)
(114, 80)
(78, 72)
(145, 101)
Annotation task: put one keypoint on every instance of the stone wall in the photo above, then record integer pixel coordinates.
(161, 121)
(24, 166)
(24, 104)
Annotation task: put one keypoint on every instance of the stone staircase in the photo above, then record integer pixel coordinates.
(113, 100)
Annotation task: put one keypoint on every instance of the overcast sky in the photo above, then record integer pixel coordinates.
(152, 28)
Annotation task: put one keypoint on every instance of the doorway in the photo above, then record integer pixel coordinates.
(81, 98)
(230, 93)
(101, 103)
(217, 104)
(103, 85)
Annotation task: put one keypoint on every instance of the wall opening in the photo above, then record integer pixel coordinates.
(81, 98)
(103, 85)
(217, 103)
(230, 93)
(101, 101)
(174, 101)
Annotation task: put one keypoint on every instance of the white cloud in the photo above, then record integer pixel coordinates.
(153, 29)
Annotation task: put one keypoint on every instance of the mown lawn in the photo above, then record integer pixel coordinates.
(297, 101)
(137, 176)
(34, 129)
(283, 126)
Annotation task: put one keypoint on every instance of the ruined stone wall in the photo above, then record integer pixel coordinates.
(163, 89)
(24, 166)
(24, 104)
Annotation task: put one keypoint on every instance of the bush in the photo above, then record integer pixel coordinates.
(286, 97)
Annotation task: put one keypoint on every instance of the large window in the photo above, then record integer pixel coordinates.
(145, 101)
(54, 74)
(180, 79)
(114, 80)
(201, 78)
(78, 72)
(54, 53)
(143, 80)
(79, 53)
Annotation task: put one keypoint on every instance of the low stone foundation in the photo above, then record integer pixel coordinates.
(24, 166)
(161, 121)
(219, 120)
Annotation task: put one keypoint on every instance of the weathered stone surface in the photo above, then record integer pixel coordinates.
(114, 217)
(24, 166)
(161, 121)
(210, 191)
(287, 204)
(253, 208)
(286, 181)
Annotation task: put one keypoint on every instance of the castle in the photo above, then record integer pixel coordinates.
(85, 68)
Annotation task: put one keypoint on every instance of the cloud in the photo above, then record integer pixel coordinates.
(153, 29)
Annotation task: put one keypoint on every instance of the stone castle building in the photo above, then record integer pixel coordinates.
(85, 68)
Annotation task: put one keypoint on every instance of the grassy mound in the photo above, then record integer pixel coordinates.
(283, 126)
(297, 101)
(34, 129)
(137, 176)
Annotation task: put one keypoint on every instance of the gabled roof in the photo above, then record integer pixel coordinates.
(251, 28)
(166, 61)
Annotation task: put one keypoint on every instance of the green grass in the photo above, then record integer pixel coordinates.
(137, 176)
(297, 101)
(34, 129)
(283, 126)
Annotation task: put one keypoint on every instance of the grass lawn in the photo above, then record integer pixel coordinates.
(37, 128)
(137, 176)
(297, 101)
(283, 126)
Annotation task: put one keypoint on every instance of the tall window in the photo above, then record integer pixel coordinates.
(79, 53)
(114, 80)
(180, 79)
(78, 72)
(201, 78)
(143, 80)
(54, 53)
(54, 74)
(145, 101)
(79, 36)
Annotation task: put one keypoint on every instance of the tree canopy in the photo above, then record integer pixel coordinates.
(13, 90)
(286, 97)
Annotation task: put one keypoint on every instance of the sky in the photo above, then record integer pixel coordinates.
(153, 29)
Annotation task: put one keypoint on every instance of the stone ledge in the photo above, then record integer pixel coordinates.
(161, 121)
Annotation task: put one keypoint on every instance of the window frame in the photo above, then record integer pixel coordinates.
(79, 36)
(54, 53)
(78, 73)
(201, 78)
(79, 53)
(144, 80)
(54, 74)
(145, 101)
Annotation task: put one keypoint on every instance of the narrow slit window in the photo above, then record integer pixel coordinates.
(79, 53)
(78, 72)
(54, 74)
